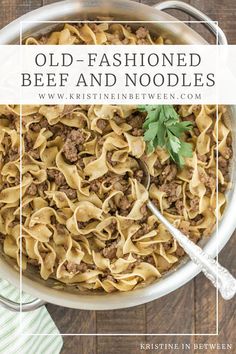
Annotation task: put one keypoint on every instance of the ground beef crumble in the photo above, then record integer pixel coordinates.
(32, 190)
(74, 268)
(136, 121)
(42, 187)
(102, 124)
(110, 251)
(28, 142)
(168, 174)
(56, 176)
(172, 191)
(179, 206)
(36, 127)
(124, 203)
(73, 145)
(71, 193)
(141, 33)
(13, 154)
(95, 185)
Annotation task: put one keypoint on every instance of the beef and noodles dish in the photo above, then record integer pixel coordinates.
(84, 216)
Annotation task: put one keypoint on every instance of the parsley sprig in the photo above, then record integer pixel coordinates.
(163, 128)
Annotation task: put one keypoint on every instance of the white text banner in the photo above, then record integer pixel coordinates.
(123, 74)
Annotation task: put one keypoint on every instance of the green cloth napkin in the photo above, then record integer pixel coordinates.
(38, 321)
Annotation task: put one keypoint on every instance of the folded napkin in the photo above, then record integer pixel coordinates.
(38, 322)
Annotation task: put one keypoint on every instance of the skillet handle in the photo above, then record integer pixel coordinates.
(197, 14)
(16, 307)
(219, 276)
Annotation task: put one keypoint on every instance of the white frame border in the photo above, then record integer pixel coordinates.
(217, 219)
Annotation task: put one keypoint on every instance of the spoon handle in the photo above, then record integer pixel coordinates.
(218, 275)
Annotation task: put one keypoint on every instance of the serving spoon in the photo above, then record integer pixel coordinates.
(218, 275)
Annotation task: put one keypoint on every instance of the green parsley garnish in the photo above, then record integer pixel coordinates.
(163, 128)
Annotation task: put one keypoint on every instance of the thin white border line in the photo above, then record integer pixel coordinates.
(21, 155)
(118, 334)
(21, 280)
(78, 21)
(217, 183)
